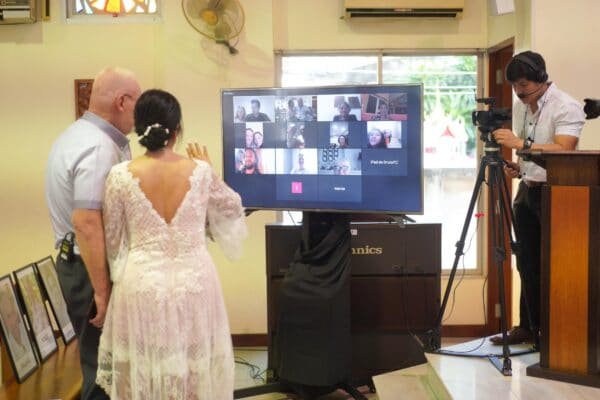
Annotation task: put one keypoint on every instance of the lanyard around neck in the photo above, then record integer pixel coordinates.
(532, 136)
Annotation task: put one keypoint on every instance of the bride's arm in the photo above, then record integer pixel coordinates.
(226, 217)
(225, 213)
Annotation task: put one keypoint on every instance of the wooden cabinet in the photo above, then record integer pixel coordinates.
(395, 291)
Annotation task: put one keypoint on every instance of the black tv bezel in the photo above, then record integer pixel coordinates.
(333, 87)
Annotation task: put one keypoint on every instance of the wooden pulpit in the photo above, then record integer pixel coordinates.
(570, 268)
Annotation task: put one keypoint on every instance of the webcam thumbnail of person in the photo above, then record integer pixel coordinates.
(253, 109)
(296, 161)
(339, 107)
(251, 161)
(296, 109)
(335, 161)
(384, 107)
(384, 135)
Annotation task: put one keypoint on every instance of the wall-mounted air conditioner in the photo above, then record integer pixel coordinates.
(403, 8)
(17, 11)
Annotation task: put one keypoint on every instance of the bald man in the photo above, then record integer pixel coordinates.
(79, 162)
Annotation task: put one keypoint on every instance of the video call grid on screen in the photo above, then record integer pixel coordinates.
(347, 148)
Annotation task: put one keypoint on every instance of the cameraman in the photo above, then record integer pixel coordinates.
(545, 118)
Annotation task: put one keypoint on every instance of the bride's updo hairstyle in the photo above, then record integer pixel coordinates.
(157, 117)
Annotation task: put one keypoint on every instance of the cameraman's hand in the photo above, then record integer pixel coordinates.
(512, 169)
(507, 138)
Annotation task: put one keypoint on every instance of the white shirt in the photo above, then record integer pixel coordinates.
(557, 114)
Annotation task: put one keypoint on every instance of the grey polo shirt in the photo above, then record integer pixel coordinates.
(79, 162)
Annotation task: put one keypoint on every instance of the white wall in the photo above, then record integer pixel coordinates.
(516, 26)
(566, 35)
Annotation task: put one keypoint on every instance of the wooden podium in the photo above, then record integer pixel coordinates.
(570, 268)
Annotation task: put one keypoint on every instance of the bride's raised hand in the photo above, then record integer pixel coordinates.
(195, 152)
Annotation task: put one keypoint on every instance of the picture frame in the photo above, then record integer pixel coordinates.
(83, 92)
(35, 309)
(14, 332)
(48, 277)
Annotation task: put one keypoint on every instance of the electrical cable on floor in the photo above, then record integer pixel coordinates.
(291, 217)
(462, 272)
(482, 342)
(255, 372)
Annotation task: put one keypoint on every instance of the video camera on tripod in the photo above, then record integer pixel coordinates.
(489, 120)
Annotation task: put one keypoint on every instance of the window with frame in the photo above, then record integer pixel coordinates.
(112, 7)
(450, 160)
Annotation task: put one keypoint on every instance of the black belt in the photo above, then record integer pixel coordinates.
(533, 184)
(76, 258)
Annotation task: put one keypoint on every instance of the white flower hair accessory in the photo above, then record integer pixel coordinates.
(149, 128)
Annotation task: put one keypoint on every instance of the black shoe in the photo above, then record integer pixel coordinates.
(516, 335)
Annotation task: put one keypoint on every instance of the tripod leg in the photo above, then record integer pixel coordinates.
(498, 231)
(516, 249)
(434, 340)
(352, 391)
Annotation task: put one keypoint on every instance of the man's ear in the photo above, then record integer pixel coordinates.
(119, 102)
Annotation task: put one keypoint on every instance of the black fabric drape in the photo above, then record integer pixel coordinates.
(313, 342)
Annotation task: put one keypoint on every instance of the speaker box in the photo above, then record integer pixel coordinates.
(499, 7)
(394, 294)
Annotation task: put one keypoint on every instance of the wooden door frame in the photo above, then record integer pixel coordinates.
(498, 57)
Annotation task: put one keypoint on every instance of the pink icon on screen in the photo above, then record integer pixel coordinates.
(297, 187)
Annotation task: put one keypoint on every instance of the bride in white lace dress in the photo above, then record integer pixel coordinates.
(166, 334)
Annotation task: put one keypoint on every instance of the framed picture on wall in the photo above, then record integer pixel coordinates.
(37, 315)
(14, 333)
(83, 91)
(49, 280)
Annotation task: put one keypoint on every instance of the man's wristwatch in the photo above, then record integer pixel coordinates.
(527, 144)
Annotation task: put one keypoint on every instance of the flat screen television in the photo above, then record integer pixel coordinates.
(348, 148)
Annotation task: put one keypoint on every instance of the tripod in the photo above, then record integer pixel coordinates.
(501, 220)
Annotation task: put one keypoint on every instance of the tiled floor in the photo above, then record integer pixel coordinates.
(461, 377)
(258, 357)
(467, 378)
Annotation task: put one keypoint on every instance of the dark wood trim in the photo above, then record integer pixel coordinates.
(578, 379)
(249, 340)
(594, 283)
(464, 331)
(499, 57)
(502, 45)
(261, 339)
(545, 278)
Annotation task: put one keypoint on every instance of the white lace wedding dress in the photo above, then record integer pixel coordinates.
(166, 334)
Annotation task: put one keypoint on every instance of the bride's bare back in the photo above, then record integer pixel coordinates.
(164, 180)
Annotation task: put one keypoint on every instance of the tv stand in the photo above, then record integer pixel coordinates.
(402, 219)
(394, 291)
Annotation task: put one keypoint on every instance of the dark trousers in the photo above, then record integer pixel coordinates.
(527, 208)
(79, 295)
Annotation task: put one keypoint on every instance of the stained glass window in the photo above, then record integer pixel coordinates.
(112, 7)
